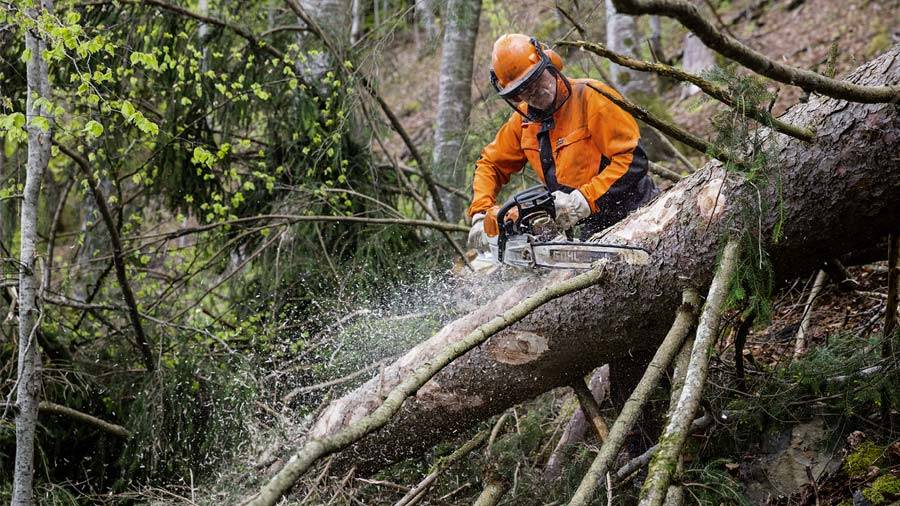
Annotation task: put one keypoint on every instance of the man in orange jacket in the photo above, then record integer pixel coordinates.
(584, 148)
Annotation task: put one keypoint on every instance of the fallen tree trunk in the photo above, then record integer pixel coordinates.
(834, 196)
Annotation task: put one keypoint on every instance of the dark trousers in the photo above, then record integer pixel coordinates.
(616, 204)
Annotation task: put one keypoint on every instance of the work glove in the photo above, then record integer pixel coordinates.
(478, 240)
(570, 208)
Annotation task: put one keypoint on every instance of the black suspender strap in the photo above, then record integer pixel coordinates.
(546, 153)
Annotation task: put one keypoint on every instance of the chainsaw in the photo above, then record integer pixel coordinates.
(531, 238)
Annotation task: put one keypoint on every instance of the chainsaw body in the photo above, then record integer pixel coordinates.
(533, 238)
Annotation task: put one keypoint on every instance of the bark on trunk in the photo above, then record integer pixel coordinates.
(425, 16)
(697, 58)
(455, 98)
(7, 206)
(836, 195)
(28, 375)
(623, 37)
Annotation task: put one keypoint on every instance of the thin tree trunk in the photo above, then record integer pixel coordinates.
(28, 377)
(455, 98)
(889, 335)
(425, 14)
(624, 37)
(7, 206)
(696, 59)
(835, 196)
(355, 21)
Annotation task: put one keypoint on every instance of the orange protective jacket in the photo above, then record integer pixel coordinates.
(594, 143)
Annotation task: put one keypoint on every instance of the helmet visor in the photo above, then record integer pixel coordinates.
(512, 90)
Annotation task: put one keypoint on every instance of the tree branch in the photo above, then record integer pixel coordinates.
(316, 448)
(689, 16)
(118, 257)
(591, 409)
(58, 409)
(713, 90)
(664, 172)
(667, 128)
(419, 490)
(800, 338)
(684, 320)
(682, 414)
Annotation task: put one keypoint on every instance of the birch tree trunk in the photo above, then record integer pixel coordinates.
(624, 37)
(355, 21)
(425, 15)
(7, 206)
(837, 195)
(455, 98)
(28, 373)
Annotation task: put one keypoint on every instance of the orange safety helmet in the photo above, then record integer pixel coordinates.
(517, 60)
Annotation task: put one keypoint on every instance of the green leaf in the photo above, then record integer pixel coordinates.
(93, 129)
(42, 123)
(127, 110)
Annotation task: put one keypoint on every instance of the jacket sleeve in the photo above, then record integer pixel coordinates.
(616, 134)
(499, 160)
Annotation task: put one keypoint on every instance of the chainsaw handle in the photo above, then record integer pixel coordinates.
(501, 226)
(507, 227)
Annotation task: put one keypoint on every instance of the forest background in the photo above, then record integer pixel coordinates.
(248, 208)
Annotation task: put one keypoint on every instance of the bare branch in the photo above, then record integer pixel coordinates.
(118, 257)
(713, 90)
(682, 414)
(58, 409)
(591, 409)
(800, 338)
(667, 128)
(419, 490)
(684, 320)
(689, 16)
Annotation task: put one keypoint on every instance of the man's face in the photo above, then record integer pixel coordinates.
(541, 92)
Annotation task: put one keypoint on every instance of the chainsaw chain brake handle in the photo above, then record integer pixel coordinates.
(532, 204)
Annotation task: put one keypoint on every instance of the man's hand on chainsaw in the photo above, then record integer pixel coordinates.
(570, 208)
